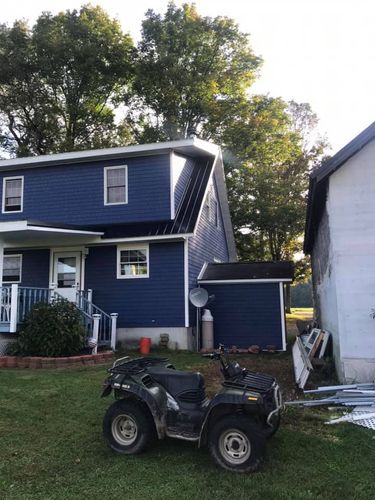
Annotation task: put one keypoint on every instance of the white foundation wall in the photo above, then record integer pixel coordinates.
(131, 336)
(351, 212)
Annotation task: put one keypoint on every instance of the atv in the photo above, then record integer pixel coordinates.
(155, 399)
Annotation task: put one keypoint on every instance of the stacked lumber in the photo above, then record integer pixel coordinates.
(307, 350)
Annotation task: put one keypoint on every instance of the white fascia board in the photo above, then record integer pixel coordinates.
(208, 186)
(18, 225)
(64, 231)
(184, 146)
(22, 225)
(282, 314)
(170, 237)
(171, 183)
(202, 271)
(186, 280)
(230, 282)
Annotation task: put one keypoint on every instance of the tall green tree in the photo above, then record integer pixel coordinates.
(191, 71)
(59, 82)
(268, 158)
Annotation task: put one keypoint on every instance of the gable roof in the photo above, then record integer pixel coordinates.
(192, 146)
(207, 160)
(247, 271)
(319, 183)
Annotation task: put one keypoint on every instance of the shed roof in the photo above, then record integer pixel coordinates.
(246, 271)
(319, 183)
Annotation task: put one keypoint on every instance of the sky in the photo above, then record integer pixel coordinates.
(316, 51)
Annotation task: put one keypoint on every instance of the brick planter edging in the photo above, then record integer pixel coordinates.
(65, 362)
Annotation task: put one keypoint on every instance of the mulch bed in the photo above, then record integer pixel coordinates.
(63, 362)
(275, 364)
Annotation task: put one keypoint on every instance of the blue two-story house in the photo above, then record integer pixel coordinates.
(122, 230)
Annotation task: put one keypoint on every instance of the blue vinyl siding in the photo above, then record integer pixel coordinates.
(155, 301)
(74, 194)
(35, 267)
(207, 244)
(246, 314)
(186, 165)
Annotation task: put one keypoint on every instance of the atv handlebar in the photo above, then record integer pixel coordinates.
(215, 355)
(228, 369)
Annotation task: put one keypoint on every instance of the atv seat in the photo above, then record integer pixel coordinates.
(177, 382)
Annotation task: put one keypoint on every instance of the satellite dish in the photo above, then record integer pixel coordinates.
(198, 297)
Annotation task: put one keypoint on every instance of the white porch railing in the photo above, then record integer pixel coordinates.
(101, 324)
(16, 302)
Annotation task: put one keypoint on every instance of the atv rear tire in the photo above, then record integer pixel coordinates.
(237, 444)
(126, 427)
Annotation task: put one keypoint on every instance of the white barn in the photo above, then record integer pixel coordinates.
(340, 237)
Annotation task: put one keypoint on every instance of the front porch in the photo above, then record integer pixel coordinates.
(41, 262)
(16, 302)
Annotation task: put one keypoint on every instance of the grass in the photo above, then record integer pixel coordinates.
(52, 447)
(303, 313)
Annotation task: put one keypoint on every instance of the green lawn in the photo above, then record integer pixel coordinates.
(304, 313)
(51, 447)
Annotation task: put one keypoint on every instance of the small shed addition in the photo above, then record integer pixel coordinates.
(248, 307)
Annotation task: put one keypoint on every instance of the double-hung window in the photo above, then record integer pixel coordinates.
(115, 185)
(132, 261)
(12, 194)
(12, 265)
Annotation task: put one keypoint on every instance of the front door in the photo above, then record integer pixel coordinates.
(67, 273)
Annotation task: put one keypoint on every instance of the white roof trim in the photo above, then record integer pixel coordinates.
(22, 225)
(201, 273)
(229, 282)
(192, 145)
(145, 238)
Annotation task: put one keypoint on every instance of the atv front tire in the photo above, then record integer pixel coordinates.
(126, 427)
(237, 444)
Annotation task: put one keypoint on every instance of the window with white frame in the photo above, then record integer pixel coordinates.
(12, 265)
(132, 261)
(115, 185)
(12, 194)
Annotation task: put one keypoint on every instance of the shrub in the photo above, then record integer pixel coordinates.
(52, 330)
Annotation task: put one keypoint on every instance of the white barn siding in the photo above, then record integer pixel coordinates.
(350, 274)
(324, 282)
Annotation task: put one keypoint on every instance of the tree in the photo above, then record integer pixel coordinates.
(59, 80)
(267, 172)
(270, 151)
(191, 71)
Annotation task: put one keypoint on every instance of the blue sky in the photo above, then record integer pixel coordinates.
(316, 51)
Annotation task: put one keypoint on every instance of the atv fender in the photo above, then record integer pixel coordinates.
(155, 402)
(229, 402)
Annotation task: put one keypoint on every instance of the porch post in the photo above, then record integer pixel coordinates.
(1, 262)
(13, 308)
(114, 317)
(89, 300)
(52, 287)
(95, 331)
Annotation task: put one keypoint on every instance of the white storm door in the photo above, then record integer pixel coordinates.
(67, 273)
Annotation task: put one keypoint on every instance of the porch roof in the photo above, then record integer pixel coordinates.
(24, 230)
